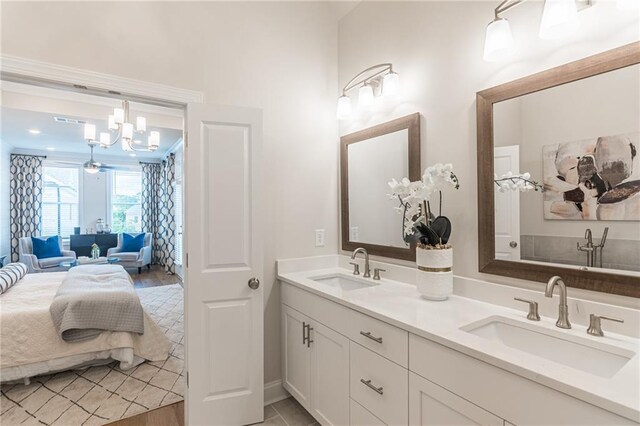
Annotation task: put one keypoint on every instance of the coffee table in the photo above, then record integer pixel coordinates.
(102, 260)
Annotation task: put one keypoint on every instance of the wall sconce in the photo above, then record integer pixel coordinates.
(378, 80)
(559, 19)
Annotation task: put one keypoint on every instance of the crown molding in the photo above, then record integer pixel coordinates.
(24, 70)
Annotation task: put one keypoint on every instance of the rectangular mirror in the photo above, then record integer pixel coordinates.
(572, 133)
(369, 159)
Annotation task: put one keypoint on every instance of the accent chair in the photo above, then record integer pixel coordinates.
(49, 264)
(133, 259)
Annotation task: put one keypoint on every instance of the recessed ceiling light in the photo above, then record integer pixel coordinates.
(132, 155)
(34, 131)
(50, 148)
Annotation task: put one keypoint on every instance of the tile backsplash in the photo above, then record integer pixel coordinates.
(617, 254)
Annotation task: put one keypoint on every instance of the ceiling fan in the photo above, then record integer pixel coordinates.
(92, 166)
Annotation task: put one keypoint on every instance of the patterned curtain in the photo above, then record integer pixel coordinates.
(158, 210)
(167, 216)
(25, 198)
(151, 196)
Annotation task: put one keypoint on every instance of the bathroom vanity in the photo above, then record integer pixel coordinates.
(373, 352)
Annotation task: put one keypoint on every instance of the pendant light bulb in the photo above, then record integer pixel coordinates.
(344, 107)
(365, 97)
(498, 42)
(559, 19)
(391, 84)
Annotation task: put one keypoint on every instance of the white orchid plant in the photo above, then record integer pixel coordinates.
(516, 182)
(419, 224)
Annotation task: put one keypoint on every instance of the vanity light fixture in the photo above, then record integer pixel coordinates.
(378, 80)
(559, 19)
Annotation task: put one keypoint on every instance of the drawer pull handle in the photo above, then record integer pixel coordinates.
(368, 335)
(370, 386)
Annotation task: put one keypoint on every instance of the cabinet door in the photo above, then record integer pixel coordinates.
(329, 376)
(296, 363)
(432, 405)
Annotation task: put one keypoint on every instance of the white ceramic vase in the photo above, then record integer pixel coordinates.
(434, 276)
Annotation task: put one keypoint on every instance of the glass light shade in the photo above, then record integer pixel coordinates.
(628, 4)
(91, 170)
(344, 107)
(118, 115)
(391, 84)
(112, 123)
(154, 140)
(127, 130)
(126, 146)
(141, 124)
(559, 19)
(365, 97)
(90, 132)
(498, 41)
(105, 139)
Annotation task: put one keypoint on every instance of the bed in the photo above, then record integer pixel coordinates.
(30, 344)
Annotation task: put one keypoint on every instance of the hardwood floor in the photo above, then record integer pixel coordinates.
(287, 412)
(170, 415)
(152, 278)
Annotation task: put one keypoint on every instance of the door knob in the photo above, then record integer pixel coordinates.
(254, 283)
(513, 244)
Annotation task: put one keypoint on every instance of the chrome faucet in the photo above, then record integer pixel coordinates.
(563, 309)
(367, 270)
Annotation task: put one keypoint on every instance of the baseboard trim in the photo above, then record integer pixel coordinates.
(274, 392)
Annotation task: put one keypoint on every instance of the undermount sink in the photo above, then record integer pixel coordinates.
(573, 351)
(343, 282)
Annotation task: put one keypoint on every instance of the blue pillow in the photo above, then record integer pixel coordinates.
(44, 247)
(132, 244)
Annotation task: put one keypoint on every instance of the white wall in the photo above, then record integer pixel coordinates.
(280, 57)
(437, 47)
(5, 237)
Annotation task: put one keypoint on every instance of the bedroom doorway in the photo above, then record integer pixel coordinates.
(222, 247)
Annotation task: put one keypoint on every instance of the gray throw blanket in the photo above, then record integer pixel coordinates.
(93, 299)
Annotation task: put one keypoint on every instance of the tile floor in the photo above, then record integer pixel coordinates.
(287, 412)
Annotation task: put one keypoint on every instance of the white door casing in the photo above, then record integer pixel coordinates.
(507, 205)
(224, 250)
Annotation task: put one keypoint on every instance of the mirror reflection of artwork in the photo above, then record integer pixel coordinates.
(593, 179)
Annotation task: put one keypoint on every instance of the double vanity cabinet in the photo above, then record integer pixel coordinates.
(348, 368)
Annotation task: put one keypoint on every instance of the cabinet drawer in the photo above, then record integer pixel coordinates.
(360, 416)
(382, 338)
(379, 385)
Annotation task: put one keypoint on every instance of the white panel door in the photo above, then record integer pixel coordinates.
(329, 376)
(296, 356)
(223, 239)
(432, 405)
(507, 205)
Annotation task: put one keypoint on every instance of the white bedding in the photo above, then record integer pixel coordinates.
(30, 345)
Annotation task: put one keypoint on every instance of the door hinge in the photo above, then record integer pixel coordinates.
(187, 379)
(186, 261)
(186, 139)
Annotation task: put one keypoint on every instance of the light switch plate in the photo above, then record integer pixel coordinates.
(319, 237)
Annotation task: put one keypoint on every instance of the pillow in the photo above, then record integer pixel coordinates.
(132, 244)
(45, 247)
(11, 274)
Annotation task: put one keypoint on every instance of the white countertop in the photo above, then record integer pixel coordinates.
(400, 304)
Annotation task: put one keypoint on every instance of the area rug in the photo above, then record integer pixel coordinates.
(100, 395)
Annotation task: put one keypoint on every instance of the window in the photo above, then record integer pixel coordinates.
(126, 201)
(60, 200)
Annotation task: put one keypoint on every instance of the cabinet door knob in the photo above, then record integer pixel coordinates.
(254, 283)
(370, 386)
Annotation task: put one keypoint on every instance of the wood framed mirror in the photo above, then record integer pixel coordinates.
(575, 128)
(369, 159)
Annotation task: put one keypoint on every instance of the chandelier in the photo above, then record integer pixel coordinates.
(129, 137)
